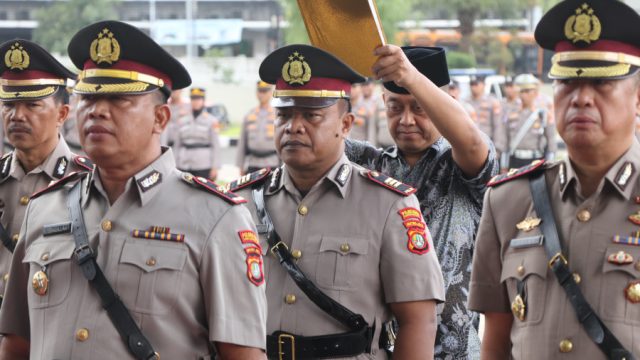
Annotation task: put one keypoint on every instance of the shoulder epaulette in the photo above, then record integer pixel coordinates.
(5, 165)
(84, 162)
(388, 182)
(58, 184)
(255, 177)
(211, 187)
(516, 173)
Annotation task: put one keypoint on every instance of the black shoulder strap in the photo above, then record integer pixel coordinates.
(279, 249)
(6, 239)
(595, 328)
(137, 344)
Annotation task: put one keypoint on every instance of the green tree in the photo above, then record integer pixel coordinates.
(59, 22)
(391, 12)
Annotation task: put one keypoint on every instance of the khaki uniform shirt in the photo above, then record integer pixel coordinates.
(363, 127)
(541, 135)
(179, 110)
(353, 246)
(196, 142)
(587, 228)
(257, 147)
(488, 119)
(16, 187)
(182, 294)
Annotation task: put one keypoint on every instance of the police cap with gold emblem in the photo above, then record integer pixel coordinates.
(117, 58)
(592, 39)
(198, 93)
(430, 61)
(29, 72)
(526, 82)
(307, 76)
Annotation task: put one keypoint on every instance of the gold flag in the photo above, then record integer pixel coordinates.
(348, 29)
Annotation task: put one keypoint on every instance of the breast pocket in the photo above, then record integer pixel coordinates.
(528, 265)
(149, 275)
(50, 271)
(618, 280)
(342, 262)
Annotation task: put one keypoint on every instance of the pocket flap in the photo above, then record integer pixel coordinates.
(630, 268)
(46, 252)
(521, 263)
(344, 245)
(150, 256)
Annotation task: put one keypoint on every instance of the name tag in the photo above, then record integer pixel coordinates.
(55, 229)
(526, 242)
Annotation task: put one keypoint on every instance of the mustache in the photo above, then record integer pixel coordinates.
(18, 128)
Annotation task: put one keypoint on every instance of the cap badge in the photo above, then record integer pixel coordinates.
(583, 26)
(105, 48)
(296, 70)
(16, 58)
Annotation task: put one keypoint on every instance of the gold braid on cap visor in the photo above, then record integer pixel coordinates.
(27, 94)
(311, 93)
(622, 64)
(140, 82)
(83, 87)
(559, 71)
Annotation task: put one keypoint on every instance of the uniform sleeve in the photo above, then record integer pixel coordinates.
(477, 185)
(241, 148)
(487, 292)
(215, 146)
(14, 314)
(236, 307)
(406, 274)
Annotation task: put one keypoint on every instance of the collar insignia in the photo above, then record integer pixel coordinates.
(16, 57)
(343, 174)
(624, 175)
(528, 224)
(61, 167)
(562, 175)
(296, 71)
(150, 180)
(583, 26)
(275, 179)
(5, 165)
(105, 48)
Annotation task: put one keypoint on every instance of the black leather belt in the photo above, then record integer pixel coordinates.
(285, 346)
(196, 146)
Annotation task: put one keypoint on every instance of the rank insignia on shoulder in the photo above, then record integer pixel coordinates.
(211, 187)
(249, 179)
(389, 182)
(516, 173)
(59, 183)
(60, 168)
(157, 233)
(84, 162)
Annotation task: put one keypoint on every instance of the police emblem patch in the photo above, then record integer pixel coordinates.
(248, 237)
(16, 58)
(105, 48)
(296, 71)
(418, 242)
(149, 181)
(255, 271)
(410, 213)
(583, 26)
(61, 167)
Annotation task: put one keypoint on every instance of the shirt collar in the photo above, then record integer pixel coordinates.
(621, 176)
(56, 165)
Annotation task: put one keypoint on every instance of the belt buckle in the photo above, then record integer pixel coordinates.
(555, 259)
(281, 340)
(83, 253)
(276, 246)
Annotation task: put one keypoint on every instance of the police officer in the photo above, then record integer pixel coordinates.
(353, 242)
(363, 126)
(136, 260)
(556, 268)
(256, 148)
(33, 110)
(196, 140)
(530, 133)
(488, 112)
(511, 100)
(179, 108)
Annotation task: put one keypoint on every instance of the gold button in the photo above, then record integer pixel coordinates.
(297, 254)
(82, 334)
(15, 237)
(151, 261)
(302, 210)
(44, 257)
(345, 248)
(24, 200)
(5, 277)
(107, 225)
(290, 299)
(520, 270)
(577, 278)
(566, 346)
(584, 215)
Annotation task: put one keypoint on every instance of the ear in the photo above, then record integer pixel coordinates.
(637, 97)
(346, 123)
(162, 117)
(63, 113)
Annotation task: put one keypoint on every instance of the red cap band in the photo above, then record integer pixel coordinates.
(129, 65)
(600, 45)
(29, 75)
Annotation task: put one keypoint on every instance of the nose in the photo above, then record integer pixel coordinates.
(407, 118)
(296, 124)
(18, 113)
(583, 95)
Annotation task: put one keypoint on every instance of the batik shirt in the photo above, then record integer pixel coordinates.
(451, 205)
